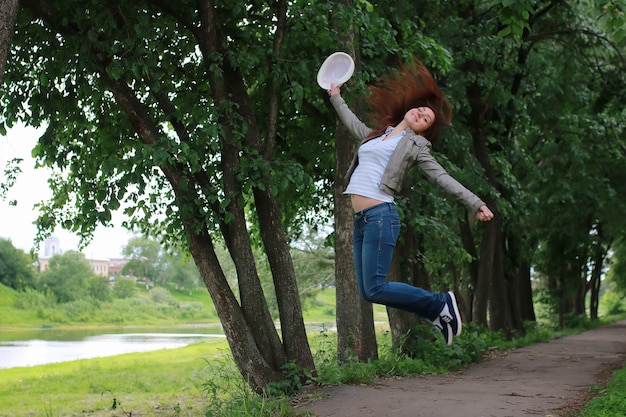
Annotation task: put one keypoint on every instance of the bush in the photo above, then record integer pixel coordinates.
(191, 310)
(613, 303)
(124, 288)
(80, 310)
(99, 288)
(32, 299)
(161, 295)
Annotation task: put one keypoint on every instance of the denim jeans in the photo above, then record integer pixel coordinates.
(376, 230)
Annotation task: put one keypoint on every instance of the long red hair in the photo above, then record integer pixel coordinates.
(395, 94)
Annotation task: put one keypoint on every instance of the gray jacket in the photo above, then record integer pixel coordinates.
(412, 149)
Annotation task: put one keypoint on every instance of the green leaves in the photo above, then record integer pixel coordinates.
(613, 14)
(515, 16)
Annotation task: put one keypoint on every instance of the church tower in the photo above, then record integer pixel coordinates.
(52, 247)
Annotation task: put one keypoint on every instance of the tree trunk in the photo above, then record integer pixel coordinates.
(596, 273)
(468, 292)
(246, 354)
(521, 292)
(405, 268)
(355, 321)
(501, 316)
(524, 290)
(8, 14)
(295, 342)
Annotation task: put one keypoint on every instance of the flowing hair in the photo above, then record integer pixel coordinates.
(410, 87)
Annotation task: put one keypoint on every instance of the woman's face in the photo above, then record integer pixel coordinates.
(420, 119)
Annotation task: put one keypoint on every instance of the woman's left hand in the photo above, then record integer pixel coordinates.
(484, 214)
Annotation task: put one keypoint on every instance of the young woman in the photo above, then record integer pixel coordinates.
(408, 110)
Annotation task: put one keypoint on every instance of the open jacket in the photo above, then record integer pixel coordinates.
(412, 149)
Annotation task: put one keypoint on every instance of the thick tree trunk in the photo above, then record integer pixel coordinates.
(295, 342)
(355, 320)
(246, 354)
(253, 301)
(252, 335)
(8, 14)
(483, 283)
(405, 268)
(468, 291)
(501, 316)
(525, 293)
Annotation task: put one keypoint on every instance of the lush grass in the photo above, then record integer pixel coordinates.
(34, 310)
(11, 316)
(160, 383)
(612, 401)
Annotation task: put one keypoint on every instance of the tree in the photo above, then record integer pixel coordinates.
(145, 259)
(182, 272)
(16, 267)
(67, 278)
(182, 129)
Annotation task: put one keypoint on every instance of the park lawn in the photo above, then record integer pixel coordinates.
(159, 383)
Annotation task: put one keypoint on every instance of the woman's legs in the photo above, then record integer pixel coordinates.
(376, 230)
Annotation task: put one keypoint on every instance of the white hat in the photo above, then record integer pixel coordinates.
(336, 69)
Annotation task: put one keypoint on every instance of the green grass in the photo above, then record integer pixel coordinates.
(160, 383)
(9, 315)
(612, 401)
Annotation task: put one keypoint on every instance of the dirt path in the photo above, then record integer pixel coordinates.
(545, 379)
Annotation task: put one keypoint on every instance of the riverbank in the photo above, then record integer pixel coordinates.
(161, 383)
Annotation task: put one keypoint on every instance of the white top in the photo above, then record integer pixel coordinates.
(373, 158)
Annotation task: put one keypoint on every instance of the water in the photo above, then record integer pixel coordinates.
(51, 346)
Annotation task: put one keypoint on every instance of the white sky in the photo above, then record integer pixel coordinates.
(31, 187)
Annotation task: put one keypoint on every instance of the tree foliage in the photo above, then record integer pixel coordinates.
(16, 267)
(146, 259)
(68, 278)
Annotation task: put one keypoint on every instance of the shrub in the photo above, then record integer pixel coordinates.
(161, 295)
(32, 299)
(124, 288)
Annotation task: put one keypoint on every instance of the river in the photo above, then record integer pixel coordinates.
(38, 347)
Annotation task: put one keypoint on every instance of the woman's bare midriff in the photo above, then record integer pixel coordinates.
(360, 202)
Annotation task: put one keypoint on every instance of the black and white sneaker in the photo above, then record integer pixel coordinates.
(445, 330)
(450, 314)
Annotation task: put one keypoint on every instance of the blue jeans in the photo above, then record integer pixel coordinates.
(376, 230)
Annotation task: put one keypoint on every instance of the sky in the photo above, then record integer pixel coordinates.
(31, 187)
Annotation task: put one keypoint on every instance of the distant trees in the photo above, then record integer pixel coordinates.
(69, 277)
(16, 266)
(145, 258)
(182, 272)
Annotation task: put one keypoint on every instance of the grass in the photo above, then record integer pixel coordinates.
(160, 383)
(612, 401)
(9, 315)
